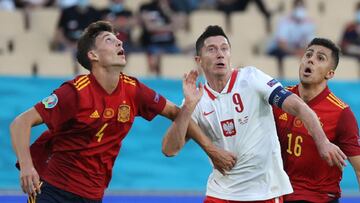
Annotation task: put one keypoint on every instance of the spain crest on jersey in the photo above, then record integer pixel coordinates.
(123, 113)
(228, 127)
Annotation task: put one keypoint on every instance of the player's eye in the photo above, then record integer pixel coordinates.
(211, 49)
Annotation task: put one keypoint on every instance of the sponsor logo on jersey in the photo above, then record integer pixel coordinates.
(228, 127)
(95, 114)
(283, 117)
(272, 82)
(298, 123)
(108, 113)
(50, 101)
(208, 113)
(123, 113)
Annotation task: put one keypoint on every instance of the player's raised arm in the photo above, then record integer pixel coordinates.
(20, 136)
(328, 151)
(175, 136)
(184, 127)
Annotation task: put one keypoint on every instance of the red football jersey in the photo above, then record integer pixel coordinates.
(311, 177)
(86, 127)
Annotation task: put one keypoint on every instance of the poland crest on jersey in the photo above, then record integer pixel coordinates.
(228, 127)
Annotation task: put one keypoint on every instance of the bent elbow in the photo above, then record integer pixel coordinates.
(14, 124)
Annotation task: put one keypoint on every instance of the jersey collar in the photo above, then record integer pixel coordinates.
(228, 87)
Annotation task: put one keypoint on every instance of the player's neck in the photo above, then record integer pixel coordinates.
(308, 92)
(218, 83)
(108, 79)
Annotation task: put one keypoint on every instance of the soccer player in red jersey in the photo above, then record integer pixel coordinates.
(313, 180)
(87, 119)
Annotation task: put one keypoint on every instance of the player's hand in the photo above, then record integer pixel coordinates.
(223, 160)
(30, 181)
(332, 154)
(192, 93)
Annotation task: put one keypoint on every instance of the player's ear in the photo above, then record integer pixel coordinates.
(92, 55)
(330, 74)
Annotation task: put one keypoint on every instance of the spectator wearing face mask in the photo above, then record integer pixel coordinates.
(350, 43)
(73, 20)
(123, 21)
(292, 34)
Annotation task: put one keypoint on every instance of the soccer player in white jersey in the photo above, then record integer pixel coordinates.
(235, 112)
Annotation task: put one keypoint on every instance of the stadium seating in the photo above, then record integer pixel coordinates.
(137, 65)
(291, 68)
(16, 65)
(264, 63)
(348, 69)
(99, 4)
(201, 19)
(43, 22)
(12, 23)
(175, 66)
(55, 65)
(31, 45)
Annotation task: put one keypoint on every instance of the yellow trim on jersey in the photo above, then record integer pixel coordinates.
(335, 102)
(338, 100)
(80, 87)
(82, 82)
(80, 79)
(128, 80)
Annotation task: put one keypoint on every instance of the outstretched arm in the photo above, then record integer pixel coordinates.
(328, 151)
(20, 136)
(183, 125)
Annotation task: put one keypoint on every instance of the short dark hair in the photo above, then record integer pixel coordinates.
(87, 41)
(335, 50)
(210, 31)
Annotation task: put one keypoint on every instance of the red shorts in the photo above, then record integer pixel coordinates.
(209, 199)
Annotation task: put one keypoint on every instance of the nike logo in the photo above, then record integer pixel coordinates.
(208, 113)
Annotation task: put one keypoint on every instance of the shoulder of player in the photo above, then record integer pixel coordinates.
(336, 102)
(129, 80)
(248, 70)
(80, 82)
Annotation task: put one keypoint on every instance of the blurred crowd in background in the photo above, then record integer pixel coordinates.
(160, 34)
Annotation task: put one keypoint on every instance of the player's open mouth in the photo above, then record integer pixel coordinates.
(308, 71)
(222, 65)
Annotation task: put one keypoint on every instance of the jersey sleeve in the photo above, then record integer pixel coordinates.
(150, 102)
(59, 107)
(347, 132)
(271, 89)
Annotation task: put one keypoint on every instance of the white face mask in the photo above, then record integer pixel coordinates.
(300, 13)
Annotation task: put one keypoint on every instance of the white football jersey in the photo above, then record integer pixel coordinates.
(240, 120)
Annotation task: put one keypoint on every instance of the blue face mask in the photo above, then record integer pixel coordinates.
(116, 8)
(83, 3)
(357, 16)
(300, 13)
